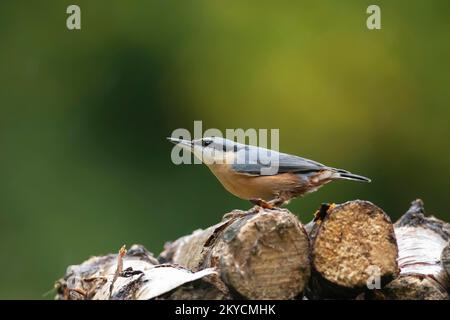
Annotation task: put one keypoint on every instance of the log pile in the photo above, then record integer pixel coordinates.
(349, 251)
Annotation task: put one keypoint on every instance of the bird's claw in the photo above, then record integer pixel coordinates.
(261, 203)
(273, 204)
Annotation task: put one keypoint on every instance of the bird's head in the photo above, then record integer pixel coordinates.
(211, 150)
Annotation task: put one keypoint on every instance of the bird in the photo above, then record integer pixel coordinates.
(267, 178)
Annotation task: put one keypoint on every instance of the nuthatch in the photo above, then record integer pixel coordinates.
(245, 171)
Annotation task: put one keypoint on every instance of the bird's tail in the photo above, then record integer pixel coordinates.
(345, 175)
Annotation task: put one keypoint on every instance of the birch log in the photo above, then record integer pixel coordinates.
(132, 275)
(423, 257)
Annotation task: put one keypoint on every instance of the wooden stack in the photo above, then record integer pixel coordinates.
(349, 251)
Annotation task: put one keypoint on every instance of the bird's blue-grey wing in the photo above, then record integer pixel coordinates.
(253, 162)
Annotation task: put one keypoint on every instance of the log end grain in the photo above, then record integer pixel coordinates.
(414, 287)
(265, 256)
(352, 243)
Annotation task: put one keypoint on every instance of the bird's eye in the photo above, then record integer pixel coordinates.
(206, 143)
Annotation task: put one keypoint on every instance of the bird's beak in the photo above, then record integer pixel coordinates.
(182, 143)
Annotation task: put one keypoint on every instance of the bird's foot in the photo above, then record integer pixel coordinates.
(259, 204)
(262, 203)
(271, 205)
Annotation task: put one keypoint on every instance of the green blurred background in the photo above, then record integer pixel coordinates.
(84, 164)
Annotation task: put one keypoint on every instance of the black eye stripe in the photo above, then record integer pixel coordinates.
(206, 143)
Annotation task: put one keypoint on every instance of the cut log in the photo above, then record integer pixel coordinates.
(135, 275)
(262, 255)
(353, 250)
(423, 257)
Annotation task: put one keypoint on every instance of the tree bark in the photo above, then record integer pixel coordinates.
(445, 259)
(423, 257)
(353, 245)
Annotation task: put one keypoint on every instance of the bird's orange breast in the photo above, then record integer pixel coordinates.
(248, 187)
